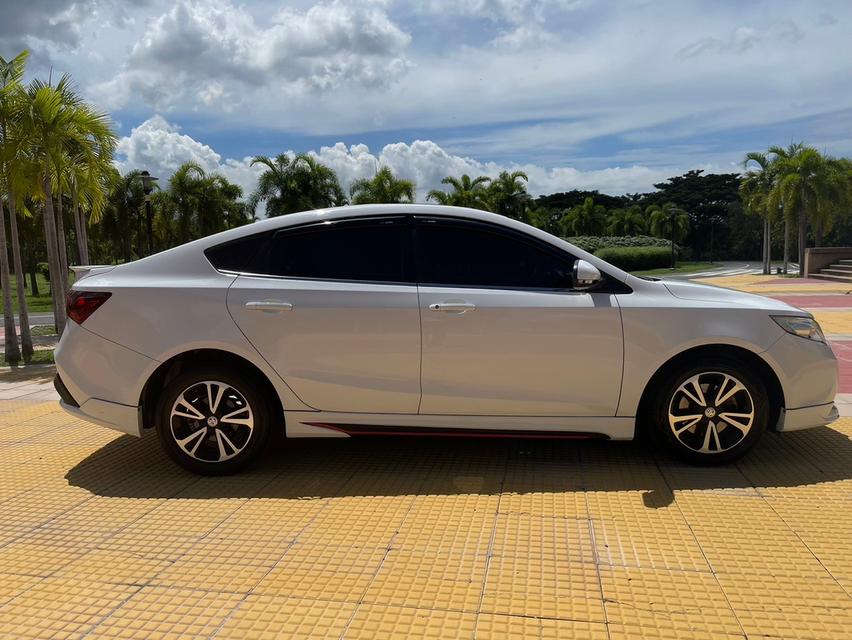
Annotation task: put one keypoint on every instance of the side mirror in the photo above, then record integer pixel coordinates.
(586, 275)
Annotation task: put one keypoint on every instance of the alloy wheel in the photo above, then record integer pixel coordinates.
(711, 412)
(211, 421)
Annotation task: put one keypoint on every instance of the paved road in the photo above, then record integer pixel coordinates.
(731, 269)
(37, 318)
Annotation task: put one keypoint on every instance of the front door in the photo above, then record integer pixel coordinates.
(504, 334)
(334, 311)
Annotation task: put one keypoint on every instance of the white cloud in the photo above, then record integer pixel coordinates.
(158, 146)
(199, 47)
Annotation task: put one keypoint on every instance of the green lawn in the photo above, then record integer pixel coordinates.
(682, 267)
(40, 356)
(40, 303)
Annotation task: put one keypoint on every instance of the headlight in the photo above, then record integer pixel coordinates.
(800, 326)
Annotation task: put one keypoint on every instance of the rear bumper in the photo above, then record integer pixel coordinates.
(807, 417)
(99, 380)
(111, 415)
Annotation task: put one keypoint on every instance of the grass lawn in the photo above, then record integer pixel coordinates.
(40, 356)
(40, 303)
(682, 267)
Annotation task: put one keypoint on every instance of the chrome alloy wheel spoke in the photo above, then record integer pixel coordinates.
(211, 421)
(711, 412)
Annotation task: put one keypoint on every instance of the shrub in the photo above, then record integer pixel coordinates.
(594, 243)
(43, 269)
(636, 258)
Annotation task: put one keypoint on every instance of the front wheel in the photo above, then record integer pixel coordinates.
(712, 412)
(212, 422)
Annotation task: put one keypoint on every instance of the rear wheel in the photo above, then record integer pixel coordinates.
(212, 422)
(711, 412)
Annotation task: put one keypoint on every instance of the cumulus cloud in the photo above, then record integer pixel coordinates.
(158, 146)
(200, 47)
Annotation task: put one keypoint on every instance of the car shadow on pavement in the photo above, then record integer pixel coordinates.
(309, 469)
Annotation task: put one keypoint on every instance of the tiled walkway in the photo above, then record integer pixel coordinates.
(102, 537)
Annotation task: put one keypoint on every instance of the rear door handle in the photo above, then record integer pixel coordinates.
(453, 307)
(269, 306)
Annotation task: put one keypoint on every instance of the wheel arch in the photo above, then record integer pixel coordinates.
(170, 368)
(751, 359)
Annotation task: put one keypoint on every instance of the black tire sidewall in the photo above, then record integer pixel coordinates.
(247, 386)
(744, 374)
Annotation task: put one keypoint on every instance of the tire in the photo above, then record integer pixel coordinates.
(713, 437)
(229, 438)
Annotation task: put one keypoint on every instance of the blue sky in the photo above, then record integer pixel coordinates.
(578, 93)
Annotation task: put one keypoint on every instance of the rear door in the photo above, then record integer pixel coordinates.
(333, 308)
(503, 331)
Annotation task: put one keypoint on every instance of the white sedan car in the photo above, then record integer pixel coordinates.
(429, 321)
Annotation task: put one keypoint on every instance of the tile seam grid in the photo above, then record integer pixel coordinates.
(701, 548)
(172, 562)
(388, 548)
(594, 540)
(792, 530)
(490, 550)
(246, 595)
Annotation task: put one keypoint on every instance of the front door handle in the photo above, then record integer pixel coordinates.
(453, 307)
(269, 306)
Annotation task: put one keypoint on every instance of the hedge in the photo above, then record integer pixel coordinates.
(593, 244)
(637, 258)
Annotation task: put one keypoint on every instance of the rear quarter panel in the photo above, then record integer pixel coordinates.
(162, 309)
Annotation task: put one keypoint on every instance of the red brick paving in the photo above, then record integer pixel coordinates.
(843, 351)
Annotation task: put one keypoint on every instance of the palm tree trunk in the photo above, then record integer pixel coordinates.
(786, 245)
(78, 228)
(767, 262)
(84, 234)
(20, 284)
(803, 236)
(12, 351)
(62, 244)
(53, 264)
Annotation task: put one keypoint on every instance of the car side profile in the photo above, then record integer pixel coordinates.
(427, 320)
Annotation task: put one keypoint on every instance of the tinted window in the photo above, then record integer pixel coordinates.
(473, 255)
(237, 254)
(376, 250)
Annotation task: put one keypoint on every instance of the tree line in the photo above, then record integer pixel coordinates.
(67, 203)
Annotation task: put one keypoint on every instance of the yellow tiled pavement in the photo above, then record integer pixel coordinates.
(102, 537)
(443, 539)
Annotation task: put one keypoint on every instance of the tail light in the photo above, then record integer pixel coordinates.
(79, 305)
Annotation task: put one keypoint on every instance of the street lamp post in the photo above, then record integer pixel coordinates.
(148, 183)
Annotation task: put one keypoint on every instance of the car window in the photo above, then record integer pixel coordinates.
(237, 255)
(479, 255)
(371, 250)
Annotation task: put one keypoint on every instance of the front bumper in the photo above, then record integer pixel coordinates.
(807, 417)
(807, 371)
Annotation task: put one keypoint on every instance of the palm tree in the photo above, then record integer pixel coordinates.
(668, 221)
(509, 195)
(11, 170)
(50, 122)
(383, 188)
(295, 184)
(754, 191)
(584, 219)
(808, 187)
(466, 192)
(626, 222)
